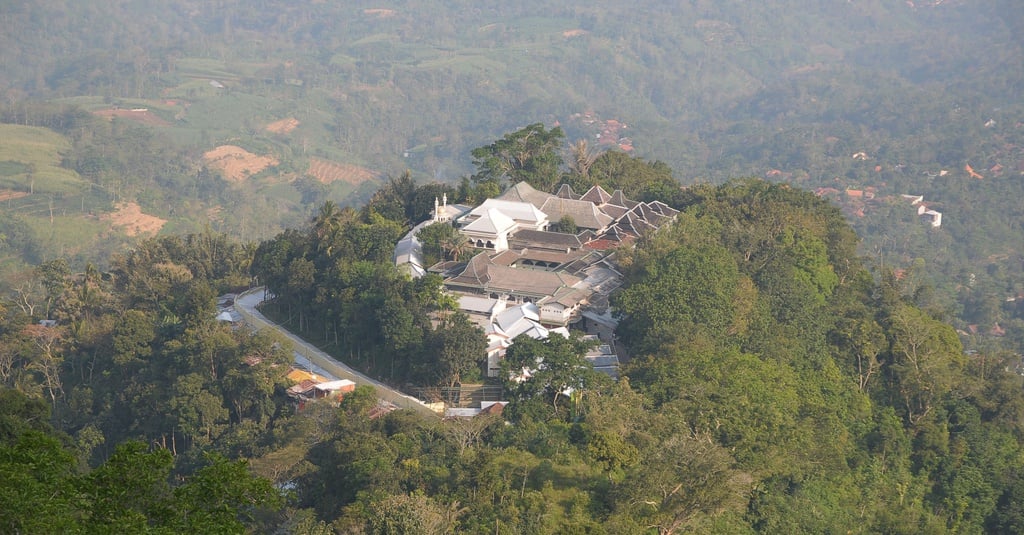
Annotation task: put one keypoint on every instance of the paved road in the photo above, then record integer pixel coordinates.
(246, 304)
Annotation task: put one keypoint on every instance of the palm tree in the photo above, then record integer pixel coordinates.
(581, 158)
(326, 219)
(457, 246)
(326, 224)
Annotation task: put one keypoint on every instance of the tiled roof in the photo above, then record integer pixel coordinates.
(620, 232)
(596, 195)
(493, 221)
(475, 272)
(519, 211)
(478, 305)
(567, 297)
(505, 258)
(303, 388)
(298, 376)
(566, 192)
(523, 192)
(613, 210)
(585, 214)
(649, 215)
(635, 222)
(507, 318)
(560, 257)
(544, 239)
(619, 198)
(483, 274)
(602, 244)
(663, 209)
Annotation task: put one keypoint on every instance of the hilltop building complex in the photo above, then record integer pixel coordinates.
(524, 278)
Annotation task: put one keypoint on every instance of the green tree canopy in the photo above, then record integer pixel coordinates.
(531, 154)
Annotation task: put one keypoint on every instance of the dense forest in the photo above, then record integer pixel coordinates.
(776, 385)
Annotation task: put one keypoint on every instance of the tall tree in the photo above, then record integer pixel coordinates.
(461, 348)
(548, 370)
(531, 154)
(927, 359)
(680, 479)
(687, 291)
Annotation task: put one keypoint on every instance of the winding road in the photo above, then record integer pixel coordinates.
(246, 304)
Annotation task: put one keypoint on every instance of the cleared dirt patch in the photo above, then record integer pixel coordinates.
(236, 163)
(8, 194)
(573, 33)
(283, 126)
(140, 115)
(327, 171)
(130, 218)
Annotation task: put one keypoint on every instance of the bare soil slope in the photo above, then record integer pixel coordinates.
(236, 163)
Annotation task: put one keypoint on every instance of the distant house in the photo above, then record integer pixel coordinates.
(914, 199)
(531, 265)
(972, 173)
(303, 385)
(310, 386)
(934, 217)
(333, 388)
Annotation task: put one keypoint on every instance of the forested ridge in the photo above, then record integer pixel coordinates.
(776, 385)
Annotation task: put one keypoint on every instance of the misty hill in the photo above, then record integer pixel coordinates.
(703, 86)
(275, 106)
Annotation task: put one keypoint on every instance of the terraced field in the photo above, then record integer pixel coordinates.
(327, 171)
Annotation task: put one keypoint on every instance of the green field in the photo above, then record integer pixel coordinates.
(30, 161)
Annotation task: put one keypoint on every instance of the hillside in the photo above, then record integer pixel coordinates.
(698, 85)
(343, 95)
(774, 386)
